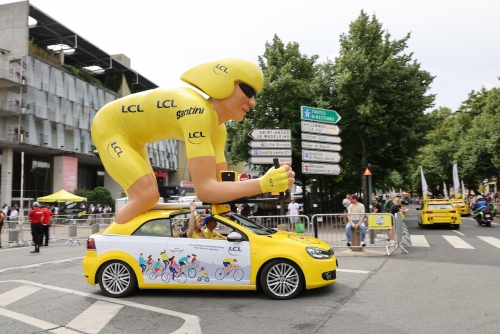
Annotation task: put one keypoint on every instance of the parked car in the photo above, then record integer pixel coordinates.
(153, 256)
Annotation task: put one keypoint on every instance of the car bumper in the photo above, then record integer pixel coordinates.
(89, 264)
(319, 273)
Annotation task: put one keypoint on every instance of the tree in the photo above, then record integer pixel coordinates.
(100, 194)
(381, 94)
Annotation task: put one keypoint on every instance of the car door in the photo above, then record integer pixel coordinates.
(209, 261)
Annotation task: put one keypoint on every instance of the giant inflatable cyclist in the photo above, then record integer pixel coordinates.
(121, 129)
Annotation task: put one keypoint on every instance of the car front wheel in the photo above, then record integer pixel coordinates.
(117, 279)
(281, 279)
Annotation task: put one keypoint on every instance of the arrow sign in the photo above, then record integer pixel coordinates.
(323, 156)
(319, 115)
(312, 168)
(270, 144)
(267, 160)
(321, 128)
(272, 153)
(321, 138)
(321, 146)
(276, 134)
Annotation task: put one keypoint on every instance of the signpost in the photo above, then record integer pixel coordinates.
(321, 138)
(270, 144)
(314, 168)
(321, 128)
(321, 146)
(268, 160)
(275, 134)
(272, 153)
(319, 115)
(322, 156)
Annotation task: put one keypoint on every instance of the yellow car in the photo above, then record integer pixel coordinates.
(461, 206)
(439, 212)
(147, 253)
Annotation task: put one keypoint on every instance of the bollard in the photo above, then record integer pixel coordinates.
(356, 239)
(72, 230)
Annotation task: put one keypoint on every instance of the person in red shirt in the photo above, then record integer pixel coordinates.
(46, 224)
(36, 218)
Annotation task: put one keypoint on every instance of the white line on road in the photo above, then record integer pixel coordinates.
(14, 295)
(42, 263)
(459, 233)
(93, 319)
(492, 241)
(353, 271)
(191, 322)
(35, 322)
(457, 242)
(418, 240)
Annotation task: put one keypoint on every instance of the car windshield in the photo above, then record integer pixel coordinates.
(458, 203)
(249, 224)
(443, 206)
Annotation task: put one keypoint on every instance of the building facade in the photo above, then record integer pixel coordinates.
(52, 83)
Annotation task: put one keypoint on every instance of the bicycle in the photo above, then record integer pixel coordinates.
(205, 278)
(153, 274)
(237, 273)
(168, 275)
(192, 268)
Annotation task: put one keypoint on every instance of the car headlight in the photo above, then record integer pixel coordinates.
(319, 253)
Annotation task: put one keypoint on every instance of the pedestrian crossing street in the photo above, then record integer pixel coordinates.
(455, 241)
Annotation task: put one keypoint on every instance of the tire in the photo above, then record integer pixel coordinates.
(456, 227)
(278, 272)
(192, 273)
(219, 274)
(117, 279)
(238, 275)
(488, 224)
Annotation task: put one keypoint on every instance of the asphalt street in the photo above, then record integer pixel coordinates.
(436, 288)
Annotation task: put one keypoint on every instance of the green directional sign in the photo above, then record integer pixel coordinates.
(319, 115)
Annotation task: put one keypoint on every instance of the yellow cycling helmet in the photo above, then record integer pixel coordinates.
(217, 78)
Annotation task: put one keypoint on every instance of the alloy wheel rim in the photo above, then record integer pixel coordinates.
(116, 278)
(283, 279)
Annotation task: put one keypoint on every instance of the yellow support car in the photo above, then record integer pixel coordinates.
(148, 253)
(461, 206)
(439, 212)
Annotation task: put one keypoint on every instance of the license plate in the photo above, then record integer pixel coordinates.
(487, 216)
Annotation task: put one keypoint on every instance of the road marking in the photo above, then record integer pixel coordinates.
(191, 322)
(492, 241)
(40, 264)
(14, 295)
(418, 240)
(353, 271)
(47, 326)
(457, 242)
(459, 233)
(93, 319)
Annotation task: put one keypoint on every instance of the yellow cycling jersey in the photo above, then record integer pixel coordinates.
(121, 129)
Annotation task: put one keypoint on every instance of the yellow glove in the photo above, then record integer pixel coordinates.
(275, 180)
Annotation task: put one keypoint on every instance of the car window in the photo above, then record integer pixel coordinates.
(458, 203)
(154, 228)
(248, 223)
(178, 222)
(443, 206)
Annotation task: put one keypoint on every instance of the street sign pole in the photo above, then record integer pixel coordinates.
(314, 189)
(370, 205)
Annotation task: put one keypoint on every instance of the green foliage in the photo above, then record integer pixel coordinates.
(81, 192)
(113, 81)
(100, 194)
(83, 73)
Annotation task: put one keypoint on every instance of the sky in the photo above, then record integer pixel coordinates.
(456, 41)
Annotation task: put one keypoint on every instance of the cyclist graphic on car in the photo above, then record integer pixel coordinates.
(203, 275)
(164, 257)
(229, 266)
(142, 263)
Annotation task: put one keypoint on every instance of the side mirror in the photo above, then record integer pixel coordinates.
(234, 237)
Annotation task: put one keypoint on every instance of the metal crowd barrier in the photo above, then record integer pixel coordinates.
(18, 234)
(281, 222)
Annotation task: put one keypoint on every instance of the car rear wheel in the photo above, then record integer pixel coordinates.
(117, 279)
(281, 279)
(456, 227)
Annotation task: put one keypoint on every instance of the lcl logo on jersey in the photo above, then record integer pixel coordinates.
(235, 251)
(115, 148)
(132, 108)
(220, 69)
(196, 137)
(166, 104)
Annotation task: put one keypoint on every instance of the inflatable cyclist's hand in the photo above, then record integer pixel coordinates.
(275, 180)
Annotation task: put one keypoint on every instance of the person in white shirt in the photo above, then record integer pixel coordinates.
(14, 214)
(356, 217)
(345, 203)
(293, 211)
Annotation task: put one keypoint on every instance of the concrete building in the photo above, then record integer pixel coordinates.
(52, 83)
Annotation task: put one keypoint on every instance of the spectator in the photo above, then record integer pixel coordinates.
(245, 210)
(14, 214)
(2, 219)
(293, 212)
(356, 217)
(345, 203)
(46, 224)
(377, 207)
(395, 208)
(36, 218)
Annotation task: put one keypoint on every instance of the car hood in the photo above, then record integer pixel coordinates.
(300, 239)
